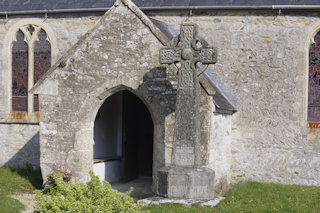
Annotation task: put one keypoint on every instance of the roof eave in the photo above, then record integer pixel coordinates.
(169, 8)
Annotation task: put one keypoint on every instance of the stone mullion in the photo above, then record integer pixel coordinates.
(30, 75)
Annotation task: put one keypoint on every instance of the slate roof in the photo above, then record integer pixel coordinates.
(222, 97)
(28, 5)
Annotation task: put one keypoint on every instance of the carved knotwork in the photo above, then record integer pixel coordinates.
(188, 55)
(190, 51)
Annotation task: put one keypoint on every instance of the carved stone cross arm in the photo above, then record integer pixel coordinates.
(188, 49)
(189, 56)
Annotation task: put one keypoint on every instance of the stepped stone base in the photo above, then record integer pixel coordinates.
(188, 183)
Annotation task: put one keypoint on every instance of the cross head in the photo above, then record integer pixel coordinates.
(188, 55)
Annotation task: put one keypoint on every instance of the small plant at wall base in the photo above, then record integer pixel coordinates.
(62, 64)
(50, 185)
(65, 176)
(93, 196)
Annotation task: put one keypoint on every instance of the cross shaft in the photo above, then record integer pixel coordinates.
(184, 54)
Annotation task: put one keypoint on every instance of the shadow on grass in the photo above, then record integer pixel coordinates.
(33, 175)
(29, 173)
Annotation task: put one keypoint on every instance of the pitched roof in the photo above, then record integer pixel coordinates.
(158, 33)
(221, 97)
(30, 5)
(163, 32)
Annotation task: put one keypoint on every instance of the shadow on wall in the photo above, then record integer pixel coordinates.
(26, 162)
(29, 154)
(160, 94)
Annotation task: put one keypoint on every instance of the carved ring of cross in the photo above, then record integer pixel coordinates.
(188, 48)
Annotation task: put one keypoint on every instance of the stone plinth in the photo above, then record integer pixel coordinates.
(189, 183)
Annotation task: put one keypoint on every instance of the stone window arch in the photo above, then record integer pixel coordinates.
(314, 80)
(31, 58)
(42, 52)
(20, 76)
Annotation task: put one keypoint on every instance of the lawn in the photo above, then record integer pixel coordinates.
(257, 197)
(21, 180)
(244, 197)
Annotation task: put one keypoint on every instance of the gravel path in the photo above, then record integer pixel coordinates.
(28, 200)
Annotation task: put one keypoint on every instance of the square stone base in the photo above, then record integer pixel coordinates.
(187, 183)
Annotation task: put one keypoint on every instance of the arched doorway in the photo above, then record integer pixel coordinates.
(123, 136)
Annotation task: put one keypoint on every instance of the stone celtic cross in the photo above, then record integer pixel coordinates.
(189, 56)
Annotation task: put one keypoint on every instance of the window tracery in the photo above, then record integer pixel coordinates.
(31, 58)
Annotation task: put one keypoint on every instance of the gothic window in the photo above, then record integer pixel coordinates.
(42, 61)
(31, 58)
(314, 81)
(20, 73)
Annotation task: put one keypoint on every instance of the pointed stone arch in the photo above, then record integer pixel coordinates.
(107, 93)
(84, 139)
(123, 137)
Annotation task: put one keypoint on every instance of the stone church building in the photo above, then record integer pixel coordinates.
(83, 86)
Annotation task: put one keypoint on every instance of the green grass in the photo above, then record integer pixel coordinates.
(19, 180)
(244, 197)
(257, 197)
(10, 205)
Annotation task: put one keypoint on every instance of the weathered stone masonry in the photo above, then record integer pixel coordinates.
(262, 60)
(19, 134)
(102, 63)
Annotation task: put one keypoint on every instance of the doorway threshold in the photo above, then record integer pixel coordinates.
(141, 187)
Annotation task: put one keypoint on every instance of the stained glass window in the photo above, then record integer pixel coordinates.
(314, 81)
(42, 61)
(20, 73)
(21, 49)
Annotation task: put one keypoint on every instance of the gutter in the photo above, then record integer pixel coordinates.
(169, 8)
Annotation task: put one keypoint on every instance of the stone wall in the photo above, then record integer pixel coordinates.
(66, 31)
(19, 145)
(220, 150)
(263, 60)
(119, 53)
(19, 141)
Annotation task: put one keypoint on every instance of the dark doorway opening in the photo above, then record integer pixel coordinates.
(123, 135)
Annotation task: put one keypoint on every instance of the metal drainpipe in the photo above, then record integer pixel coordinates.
(169, 8)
